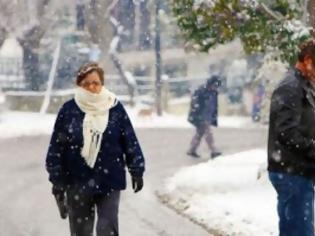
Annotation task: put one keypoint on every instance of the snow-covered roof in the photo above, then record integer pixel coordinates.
(11, 48)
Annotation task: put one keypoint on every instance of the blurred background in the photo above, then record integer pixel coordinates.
(138, 43)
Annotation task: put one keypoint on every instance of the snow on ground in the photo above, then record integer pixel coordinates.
(226, 195)
(14, 124)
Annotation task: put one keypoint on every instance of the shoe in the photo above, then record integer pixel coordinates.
(215, 154)
(193, 154)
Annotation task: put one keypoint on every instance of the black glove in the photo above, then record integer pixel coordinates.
(137, 183)
(61, 201)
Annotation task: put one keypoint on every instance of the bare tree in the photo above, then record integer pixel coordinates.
(30, 38)
(130, 82)
(7, 21)
(98, 25)
(34, 18)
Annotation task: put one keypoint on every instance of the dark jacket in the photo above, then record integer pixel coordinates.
(291, 147)
(204, 107)
(119, 148)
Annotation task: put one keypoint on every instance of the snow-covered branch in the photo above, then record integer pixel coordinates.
(273, 15)
(113, 51)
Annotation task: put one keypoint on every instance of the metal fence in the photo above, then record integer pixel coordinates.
(176, 87)
(11, 73)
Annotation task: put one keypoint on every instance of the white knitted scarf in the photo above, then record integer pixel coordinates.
(96, 108)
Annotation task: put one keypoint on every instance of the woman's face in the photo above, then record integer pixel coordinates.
(92, 82)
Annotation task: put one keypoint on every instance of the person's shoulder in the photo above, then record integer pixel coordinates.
(291, 82)
(118, 106)
(68, 105)
(291, 87)
(119, 111)
(200, 90)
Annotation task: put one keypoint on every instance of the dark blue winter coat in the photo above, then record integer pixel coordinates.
(204, 106)
(119, 148)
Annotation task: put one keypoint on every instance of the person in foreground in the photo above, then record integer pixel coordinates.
(291, 145)
(92, 143)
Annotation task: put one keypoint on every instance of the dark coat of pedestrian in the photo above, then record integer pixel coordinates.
(203, 114)
(92, 144)
(291, 145)
(204, 104)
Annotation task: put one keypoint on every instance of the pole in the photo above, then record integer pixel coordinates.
(158, 62)
(51, 78)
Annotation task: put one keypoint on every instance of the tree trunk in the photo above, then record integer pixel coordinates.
(80, 17)
(31, 67)
(3, 35)
(158, 62)
(311, 15)
(125, 14)
(120, 69)
(30, 43)
(145, 36)
(98, 25)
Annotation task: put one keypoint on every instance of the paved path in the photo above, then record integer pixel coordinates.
(27, 208)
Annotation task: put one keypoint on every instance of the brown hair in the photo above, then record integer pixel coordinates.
(88, 68)
(307, 48)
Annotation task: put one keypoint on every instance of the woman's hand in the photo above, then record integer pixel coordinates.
(137, 183)
(61, 201)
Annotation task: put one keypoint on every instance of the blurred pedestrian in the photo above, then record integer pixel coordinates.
(291, 145)
(92, 142)
(203, 114)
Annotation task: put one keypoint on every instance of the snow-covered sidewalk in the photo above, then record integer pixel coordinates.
(15, 124)
(226, 195)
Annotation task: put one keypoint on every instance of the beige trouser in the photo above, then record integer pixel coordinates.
(203, 130)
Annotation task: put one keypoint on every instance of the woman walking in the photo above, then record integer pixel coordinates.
(92, 143)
